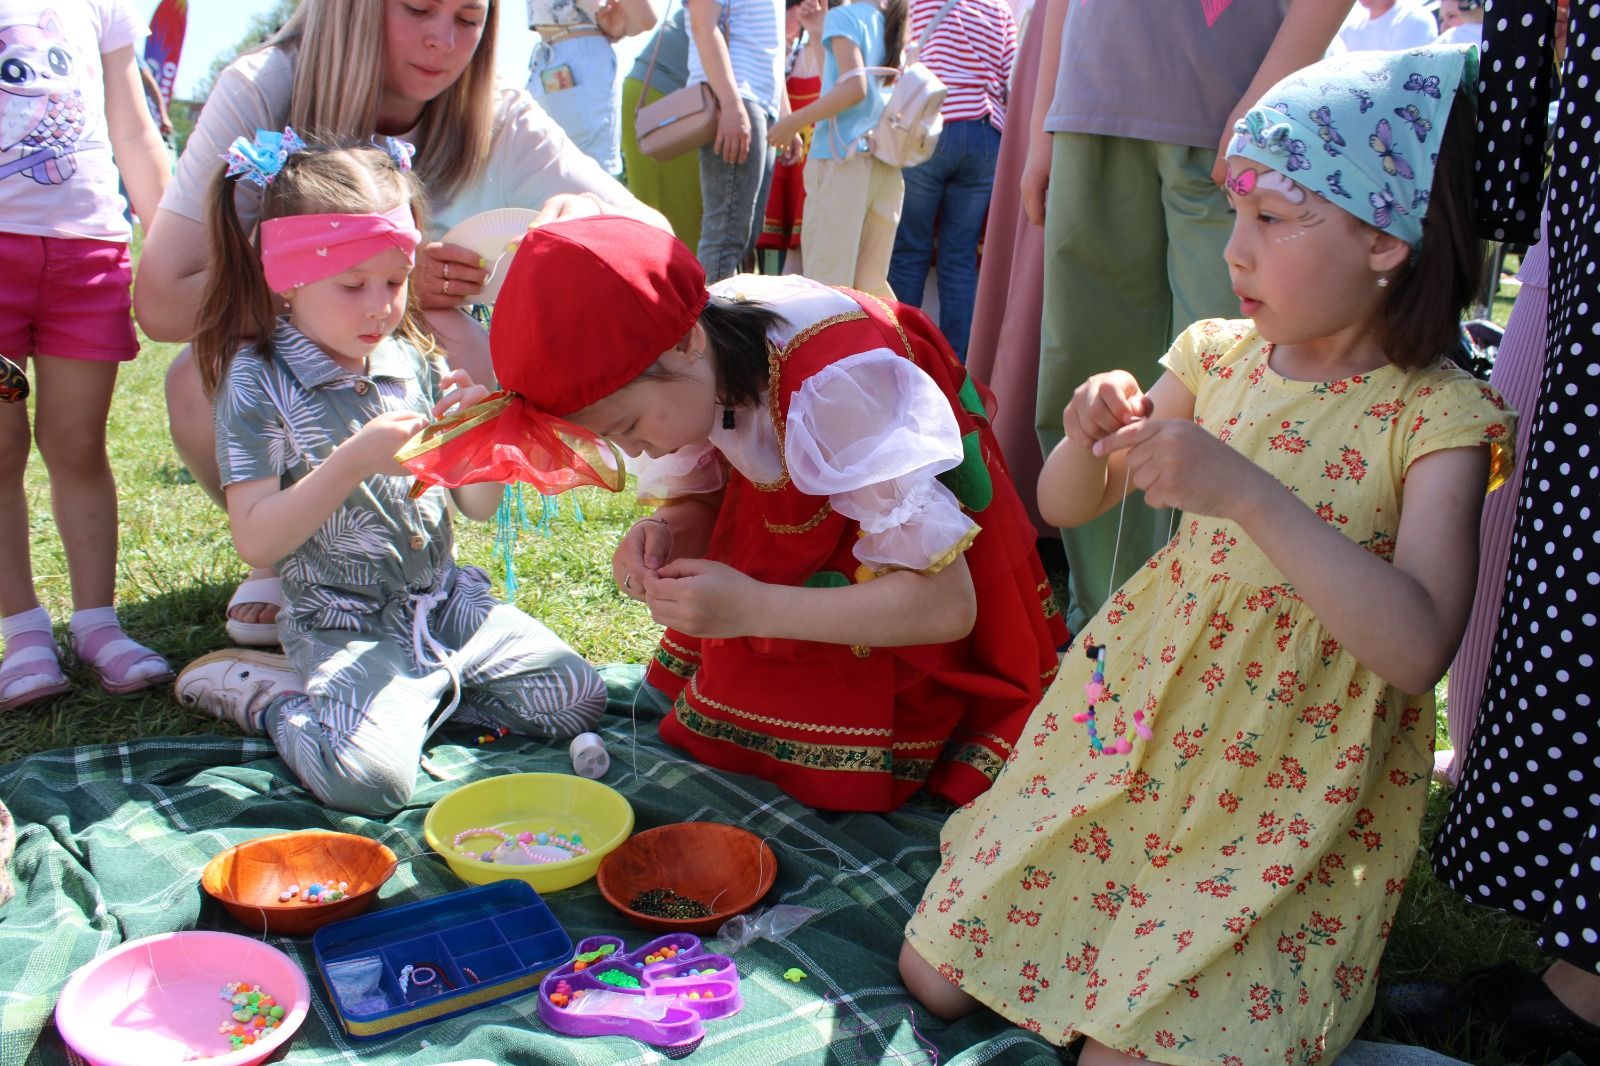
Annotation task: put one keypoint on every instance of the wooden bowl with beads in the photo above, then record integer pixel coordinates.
(252, 879)
(722, 867)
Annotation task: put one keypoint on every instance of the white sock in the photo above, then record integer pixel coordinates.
(85, 622)
(34, 621)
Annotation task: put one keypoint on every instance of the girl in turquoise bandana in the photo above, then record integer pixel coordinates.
(1196, 854)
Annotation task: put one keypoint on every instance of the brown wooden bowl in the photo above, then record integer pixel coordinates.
(248, 878)
(727, 868)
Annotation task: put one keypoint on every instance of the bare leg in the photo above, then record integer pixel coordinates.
(1095, 1053)
(931, 988)
(16, 577)
(189, 420)
(74, 398)
(1578, 990)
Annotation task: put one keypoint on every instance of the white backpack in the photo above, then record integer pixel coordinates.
(908, 130)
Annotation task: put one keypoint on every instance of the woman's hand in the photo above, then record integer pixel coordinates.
(1036, 176)
(1178, 464)
(1102, 405)
(564, 205)
(733, 133)
(703, 598)
(644, 549)
(447, 274)
(459, 392)
(375, 443)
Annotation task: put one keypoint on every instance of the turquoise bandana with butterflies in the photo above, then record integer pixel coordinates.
(1361, 130)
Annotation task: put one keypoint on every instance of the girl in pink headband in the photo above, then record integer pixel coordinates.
(385, 637)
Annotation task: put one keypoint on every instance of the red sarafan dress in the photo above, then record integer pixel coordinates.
(854, 470)
(780, 227)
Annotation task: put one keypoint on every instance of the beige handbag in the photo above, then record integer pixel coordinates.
(679, 122)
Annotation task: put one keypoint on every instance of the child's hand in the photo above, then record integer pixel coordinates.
(1178, 464)
(644, 549)
(459, 393)
(702, 598)
(783, 133)
(812, 15)
(376, 442)
(1101, 406)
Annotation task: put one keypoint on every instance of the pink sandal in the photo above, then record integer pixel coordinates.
(112, 655)
(32, 655)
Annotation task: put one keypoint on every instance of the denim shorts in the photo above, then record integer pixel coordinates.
(588, 111)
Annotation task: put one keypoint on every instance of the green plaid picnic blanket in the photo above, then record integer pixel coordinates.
(112, 839)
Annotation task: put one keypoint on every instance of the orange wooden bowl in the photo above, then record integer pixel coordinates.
(727, 868)
(248, 878)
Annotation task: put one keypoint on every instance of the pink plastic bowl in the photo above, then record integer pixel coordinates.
(155, 1000)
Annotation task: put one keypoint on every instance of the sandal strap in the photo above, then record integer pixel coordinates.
(111, 651)
(31, 660)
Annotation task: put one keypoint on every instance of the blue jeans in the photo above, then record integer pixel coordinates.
(953, 188)
(589, 111)
(734, 197)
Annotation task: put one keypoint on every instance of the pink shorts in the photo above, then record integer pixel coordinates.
(66, 297)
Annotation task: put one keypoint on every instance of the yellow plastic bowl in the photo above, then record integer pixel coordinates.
(536, 803)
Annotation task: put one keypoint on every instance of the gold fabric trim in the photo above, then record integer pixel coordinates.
(809, 727)
(860, 651)
(679, 648)
(804, 527)
(775, 358)
(894, 320)
(859, 758)
(817, 327)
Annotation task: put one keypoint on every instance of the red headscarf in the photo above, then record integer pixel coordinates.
(587, 306)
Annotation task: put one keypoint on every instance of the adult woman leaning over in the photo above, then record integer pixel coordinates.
(421, 70)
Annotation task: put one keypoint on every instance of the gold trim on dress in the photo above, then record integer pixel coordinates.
(809, 727)
(804, 527)
(860, 758)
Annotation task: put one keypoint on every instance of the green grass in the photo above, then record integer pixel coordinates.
(177, 568)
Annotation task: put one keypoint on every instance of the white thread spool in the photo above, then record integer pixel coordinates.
(589, 758)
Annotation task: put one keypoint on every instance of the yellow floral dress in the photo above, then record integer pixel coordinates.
(1223, 893)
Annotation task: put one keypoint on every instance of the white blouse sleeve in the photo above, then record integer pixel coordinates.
(685, 472)
(872, 433)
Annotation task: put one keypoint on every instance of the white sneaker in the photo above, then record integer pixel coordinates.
(237, 685)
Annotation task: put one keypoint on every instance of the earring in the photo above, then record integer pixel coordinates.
(727, 418)
(696, 355)
(1383, 282)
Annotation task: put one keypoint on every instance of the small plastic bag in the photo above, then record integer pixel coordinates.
(355, 984)
(773, 923)
(620, 1005)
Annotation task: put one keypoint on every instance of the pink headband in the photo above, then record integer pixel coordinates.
(297, 250)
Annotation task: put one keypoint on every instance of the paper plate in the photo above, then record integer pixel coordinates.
(493, 235)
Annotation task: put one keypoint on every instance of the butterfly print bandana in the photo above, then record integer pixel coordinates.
(1362, 130)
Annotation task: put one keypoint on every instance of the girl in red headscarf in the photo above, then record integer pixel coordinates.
(853, 603)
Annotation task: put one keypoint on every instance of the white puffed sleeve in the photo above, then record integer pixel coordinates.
(872, 433)
(685, 472)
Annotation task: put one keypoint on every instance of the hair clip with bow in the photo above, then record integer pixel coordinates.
(261, 159)
(399, 151)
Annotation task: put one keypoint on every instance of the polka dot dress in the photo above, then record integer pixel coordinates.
(1523, 830)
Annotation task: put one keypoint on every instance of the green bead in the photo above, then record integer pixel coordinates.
(276, 1012)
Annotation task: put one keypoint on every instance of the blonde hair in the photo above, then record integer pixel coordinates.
(239, 309)
(338, 78)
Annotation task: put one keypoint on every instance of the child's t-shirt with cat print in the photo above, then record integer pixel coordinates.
(57, 177)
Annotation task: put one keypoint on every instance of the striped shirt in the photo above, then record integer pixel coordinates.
(971, 51)
(753, 33)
